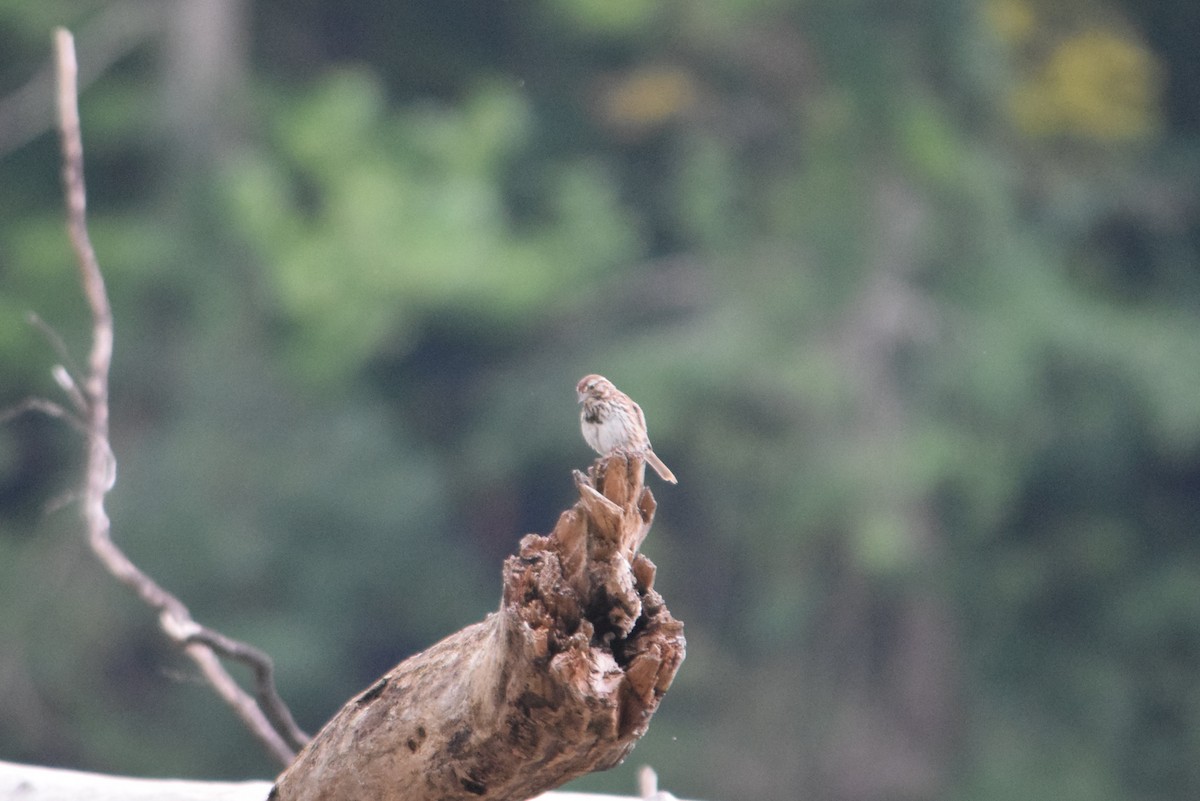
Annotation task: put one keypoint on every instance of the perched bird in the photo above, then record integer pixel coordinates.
(612, 423)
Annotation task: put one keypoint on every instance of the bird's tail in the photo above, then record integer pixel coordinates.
(663, 471)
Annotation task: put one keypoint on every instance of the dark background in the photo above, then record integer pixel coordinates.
(909, 292)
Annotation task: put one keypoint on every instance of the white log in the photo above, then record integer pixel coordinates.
(33, 783)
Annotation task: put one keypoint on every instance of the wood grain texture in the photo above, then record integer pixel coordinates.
(562, 680)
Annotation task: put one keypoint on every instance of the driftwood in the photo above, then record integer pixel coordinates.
(561, 681)
(33, 783)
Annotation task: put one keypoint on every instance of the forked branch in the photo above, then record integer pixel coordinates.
(267, 718)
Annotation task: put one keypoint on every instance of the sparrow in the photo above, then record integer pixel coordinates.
(611, 423)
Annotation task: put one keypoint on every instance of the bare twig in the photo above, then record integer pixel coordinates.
(56, 341)
(648, 786)
(647, 783)
(264, 680)
(67, 383)
(200, 644)
(42, 406)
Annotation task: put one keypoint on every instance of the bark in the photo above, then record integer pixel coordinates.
(561, 681)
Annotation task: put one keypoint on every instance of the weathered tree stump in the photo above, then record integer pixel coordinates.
(561, 681)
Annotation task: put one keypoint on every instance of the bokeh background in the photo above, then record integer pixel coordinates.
(910, 292)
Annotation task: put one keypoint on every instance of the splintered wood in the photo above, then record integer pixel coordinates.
(561, 681)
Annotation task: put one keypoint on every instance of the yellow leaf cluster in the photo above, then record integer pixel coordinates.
(1096, 81)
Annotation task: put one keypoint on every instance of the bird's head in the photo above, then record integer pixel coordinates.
(590, 386)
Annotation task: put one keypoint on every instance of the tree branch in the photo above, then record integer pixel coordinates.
(42, 406)
(175, 620)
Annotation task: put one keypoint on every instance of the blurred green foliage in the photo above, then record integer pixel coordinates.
(321, 202)
(909, 295)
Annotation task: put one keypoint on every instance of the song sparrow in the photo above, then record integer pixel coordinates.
(612, 422)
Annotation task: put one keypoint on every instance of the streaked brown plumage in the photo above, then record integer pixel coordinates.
(611, 423)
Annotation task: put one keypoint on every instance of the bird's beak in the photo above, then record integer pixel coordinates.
(579, 396)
